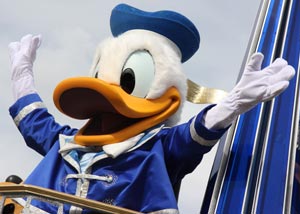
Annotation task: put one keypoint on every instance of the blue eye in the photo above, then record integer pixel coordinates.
(138, 74)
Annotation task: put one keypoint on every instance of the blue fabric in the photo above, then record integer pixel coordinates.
(23, 101)
(148, 172)
(170, 24)
(42, 136)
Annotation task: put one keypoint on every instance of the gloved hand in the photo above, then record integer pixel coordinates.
(22, 55)
(255, 86)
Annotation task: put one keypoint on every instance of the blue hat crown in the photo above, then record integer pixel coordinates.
(170, 24)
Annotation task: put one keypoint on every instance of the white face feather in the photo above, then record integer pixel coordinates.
(112, 54)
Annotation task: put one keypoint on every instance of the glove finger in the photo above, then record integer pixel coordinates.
(26, 39)
(275, 90)
(26, 43)
(276, 66)
(36, 42)
(255, 62)
(289, 72)
(284, 74)
(13, 48)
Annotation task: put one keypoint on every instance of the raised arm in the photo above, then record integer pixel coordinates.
(256, 85)
(32, 118)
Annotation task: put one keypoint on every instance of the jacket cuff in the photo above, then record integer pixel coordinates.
(25, 105)
(203, 135)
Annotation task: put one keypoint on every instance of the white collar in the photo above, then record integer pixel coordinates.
(115, 149)
(68, 144)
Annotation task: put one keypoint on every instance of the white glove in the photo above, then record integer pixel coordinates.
(255, 86)
(22, 55)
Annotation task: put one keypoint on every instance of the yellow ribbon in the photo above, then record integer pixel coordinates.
(202, 95)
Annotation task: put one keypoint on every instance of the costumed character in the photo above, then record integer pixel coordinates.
(130, 152)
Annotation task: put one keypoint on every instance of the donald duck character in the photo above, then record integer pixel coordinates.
(130, 152)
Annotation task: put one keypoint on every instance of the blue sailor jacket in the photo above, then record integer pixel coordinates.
(139, 178)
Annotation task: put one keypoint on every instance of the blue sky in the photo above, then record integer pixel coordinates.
(71, 31)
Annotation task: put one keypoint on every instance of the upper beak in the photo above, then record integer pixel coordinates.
(114, 115)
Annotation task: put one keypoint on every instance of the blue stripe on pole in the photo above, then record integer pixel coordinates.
(270, 30)
(295, 44)
(234, 186)
(272, 191)
(233, 189)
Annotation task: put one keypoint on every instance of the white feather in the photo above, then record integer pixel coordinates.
(112, 54)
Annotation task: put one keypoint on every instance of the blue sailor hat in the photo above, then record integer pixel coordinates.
(170, 24)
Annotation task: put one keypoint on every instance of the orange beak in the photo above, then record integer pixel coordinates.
(114, 115)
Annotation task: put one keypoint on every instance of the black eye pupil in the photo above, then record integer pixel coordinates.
(127, 80)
